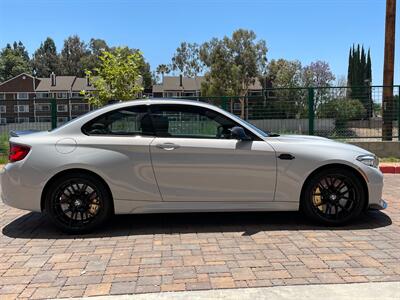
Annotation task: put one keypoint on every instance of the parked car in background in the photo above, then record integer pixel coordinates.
(159, 156)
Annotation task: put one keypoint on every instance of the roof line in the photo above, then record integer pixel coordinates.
(16, 77)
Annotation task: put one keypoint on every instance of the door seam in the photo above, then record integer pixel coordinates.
(154, 172)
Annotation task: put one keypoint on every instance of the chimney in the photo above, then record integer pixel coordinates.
(180, 81)
(88, 83)
(53, 79)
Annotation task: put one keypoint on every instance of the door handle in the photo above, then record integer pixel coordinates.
(167, 146)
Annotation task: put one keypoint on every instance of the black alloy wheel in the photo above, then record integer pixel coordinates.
(78, 203)
(333, 197)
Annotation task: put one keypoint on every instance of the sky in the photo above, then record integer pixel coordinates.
(306, 30)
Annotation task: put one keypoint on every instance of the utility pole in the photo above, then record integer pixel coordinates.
(388, 71)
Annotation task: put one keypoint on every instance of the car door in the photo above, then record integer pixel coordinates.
(194, 158)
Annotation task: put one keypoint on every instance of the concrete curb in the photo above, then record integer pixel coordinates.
(365, 291)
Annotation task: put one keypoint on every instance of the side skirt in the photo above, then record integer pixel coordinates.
(143, 207)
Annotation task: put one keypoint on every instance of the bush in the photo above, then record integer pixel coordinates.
(342, 110)
(4, 148)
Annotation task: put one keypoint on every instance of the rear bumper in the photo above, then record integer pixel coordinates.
(20, 189)
(378, 206)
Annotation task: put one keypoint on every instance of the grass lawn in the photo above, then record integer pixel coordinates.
(389, 159)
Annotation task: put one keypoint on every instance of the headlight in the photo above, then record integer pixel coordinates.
(369, 160)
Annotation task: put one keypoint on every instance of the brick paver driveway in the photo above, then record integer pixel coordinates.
(150, 253)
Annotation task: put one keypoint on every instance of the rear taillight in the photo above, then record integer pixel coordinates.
(18, 152)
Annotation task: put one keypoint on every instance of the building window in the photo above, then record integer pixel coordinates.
(43, 119)
(3, 121)
(189, 94)
(22, 96)
(171, 94)
(2, 96)
(22, 120)
(42, 95)
(3, 109)
(62, 107)
(21, 108)
(79, 107)
(76, 95)
(61, 120)
(62, 95)
(42, 107)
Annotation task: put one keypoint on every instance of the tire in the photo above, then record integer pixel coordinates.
(78, 203)
(333, 197)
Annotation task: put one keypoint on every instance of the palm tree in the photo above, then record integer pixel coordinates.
(163, 69)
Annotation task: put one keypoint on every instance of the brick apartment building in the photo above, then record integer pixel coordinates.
(179, 86)
(25, 98)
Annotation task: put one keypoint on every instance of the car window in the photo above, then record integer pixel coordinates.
(133, 120)
(191, 122)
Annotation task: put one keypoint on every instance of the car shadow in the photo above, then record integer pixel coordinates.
(38, 226)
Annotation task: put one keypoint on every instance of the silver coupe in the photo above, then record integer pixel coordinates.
(160, 156)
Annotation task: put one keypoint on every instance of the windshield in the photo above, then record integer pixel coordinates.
(261, 132)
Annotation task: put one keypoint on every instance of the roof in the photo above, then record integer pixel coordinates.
(172, 83)
(158, 88)
(63, 83)
(80, 84)
(256, 85)
(22, 74)
(20, 83)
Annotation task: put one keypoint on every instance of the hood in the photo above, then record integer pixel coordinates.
(316, 142)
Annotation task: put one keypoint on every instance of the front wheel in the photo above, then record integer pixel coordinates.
(333, 197)
(78, 203)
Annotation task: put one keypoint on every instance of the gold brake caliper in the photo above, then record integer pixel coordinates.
(317, 197)
(93, 207)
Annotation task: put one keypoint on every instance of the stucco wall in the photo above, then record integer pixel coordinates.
(381, 149)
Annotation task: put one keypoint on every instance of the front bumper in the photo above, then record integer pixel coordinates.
(378, 206)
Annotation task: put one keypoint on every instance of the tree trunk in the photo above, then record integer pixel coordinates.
(388, 70)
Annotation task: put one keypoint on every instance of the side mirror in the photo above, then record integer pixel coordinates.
(238, 133)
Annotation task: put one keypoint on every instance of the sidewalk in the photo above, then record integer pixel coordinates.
(365, 291)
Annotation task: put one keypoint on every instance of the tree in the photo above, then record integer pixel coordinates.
(147, 78)
(45, 59)
(14, 61)
(359, 77)
(233, 64)
(287, 102)
(187, 59)
(117, 78)
(317, 74)
(163, 69)
(72, 56)
(95, 49)
(284, 73)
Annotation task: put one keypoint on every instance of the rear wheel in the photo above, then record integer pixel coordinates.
(78, 203)
(333, 197)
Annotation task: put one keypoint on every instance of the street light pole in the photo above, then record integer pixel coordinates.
(388, 71)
